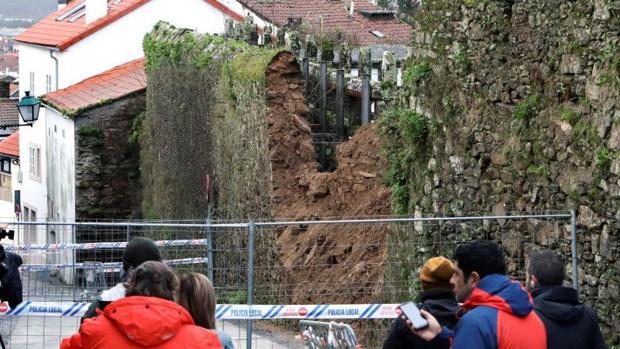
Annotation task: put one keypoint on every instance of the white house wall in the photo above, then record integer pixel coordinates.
(61, 167)
(60, 157)
(37, 60)
(34, 190)
(244, 11)
(7, 211)
(115, 44)
(121, 41)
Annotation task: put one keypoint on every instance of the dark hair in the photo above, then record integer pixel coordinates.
(482, 256)
(548, 268)
(153, 279)
(138, 251)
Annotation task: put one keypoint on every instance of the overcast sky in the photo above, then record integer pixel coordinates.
(30, 9)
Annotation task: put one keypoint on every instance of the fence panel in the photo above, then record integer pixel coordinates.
(352, 272)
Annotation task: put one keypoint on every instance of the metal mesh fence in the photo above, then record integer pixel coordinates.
(322, 264)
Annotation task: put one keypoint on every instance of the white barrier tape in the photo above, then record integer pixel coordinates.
(106, 267)
(230, 311)
(99, 245)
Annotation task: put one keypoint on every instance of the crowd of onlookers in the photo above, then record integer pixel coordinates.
(467, 302)
(496, 312)
(154, 307)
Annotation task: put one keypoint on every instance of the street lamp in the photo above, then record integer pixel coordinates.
(29, 109)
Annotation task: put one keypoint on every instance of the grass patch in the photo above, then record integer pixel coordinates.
(569, 115)
(473, 3)
(90, 131)
(527, 108)
(417, 72)
(406, 135)
(603, 159)
(251, 65)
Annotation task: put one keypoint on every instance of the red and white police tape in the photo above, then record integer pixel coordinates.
(99, 245)
(106, 267)
(230, 311)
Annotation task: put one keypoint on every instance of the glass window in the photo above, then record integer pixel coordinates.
(32, 83)
(48, 83)
(5, 165)
(35, 162)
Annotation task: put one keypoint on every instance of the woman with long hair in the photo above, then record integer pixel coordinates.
(146, 317)
(197, 295)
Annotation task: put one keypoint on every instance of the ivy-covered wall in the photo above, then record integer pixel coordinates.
(206, 117)
(514, 106)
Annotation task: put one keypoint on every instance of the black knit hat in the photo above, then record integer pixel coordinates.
(138, 251)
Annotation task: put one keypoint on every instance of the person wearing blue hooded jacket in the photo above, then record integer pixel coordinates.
(498, 312)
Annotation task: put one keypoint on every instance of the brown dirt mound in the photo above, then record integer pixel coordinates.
(324, 263)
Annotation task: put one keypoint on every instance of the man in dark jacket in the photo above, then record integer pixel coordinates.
(138, 251)
(437, 298)
(11, 282)
(569, 323)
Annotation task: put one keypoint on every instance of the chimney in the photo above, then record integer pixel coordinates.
(5, 87)
(95, 9)
(62, 3)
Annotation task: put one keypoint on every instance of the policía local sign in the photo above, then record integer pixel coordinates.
(229, 311)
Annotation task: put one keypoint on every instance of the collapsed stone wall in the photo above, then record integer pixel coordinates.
(520, 102)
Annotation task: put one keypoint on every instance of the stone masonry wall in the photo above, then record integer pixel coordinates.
(107, 163)
(522, 99)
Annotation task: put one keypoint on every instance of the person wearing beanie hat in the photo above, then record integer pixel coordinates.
(437, 298)
(137, 251)
(436, 273)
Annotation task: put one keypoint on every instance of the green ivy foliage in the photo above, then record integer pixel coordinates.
(406, 135)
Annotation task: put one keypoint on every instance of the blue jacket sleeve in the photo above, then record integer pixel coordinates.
(477, 329)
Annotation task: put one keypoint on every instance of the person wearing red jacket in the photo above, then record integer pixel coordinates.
(147, 317)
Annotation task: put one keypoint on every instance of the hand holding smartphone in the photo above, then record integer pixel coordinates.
(411, 311)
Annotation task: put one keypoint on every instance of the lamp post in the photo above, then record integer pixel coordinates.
(29, 110)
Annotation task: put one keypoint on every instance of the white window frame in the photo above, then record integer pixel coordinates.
(48, 83)
(34, 157)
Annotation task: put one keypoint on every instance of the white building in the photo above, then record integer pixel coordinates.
(9, 181)
(81, 40)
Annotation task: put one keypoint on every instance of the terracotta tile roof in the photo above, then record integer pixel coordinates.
(336, 17)
(10, 145)
(9, 114)
(110, 85)
(63, 33)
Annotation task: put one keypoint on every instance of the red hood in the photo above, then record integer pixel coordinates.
(499, 292)
(147, 321)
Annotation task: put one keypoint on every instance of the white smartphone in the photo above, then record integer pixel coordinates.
(411, 311)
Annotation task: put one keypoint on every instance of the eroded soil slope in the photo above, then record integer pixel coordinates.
(323, 263)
